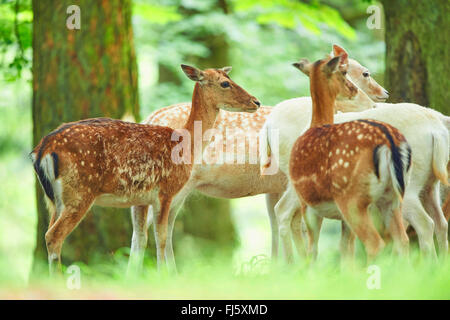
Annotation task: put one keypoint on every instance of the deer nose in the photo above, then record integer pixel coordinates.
(257, 103)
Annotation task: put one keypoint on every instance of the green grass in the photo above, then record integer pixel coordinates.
(218, 279)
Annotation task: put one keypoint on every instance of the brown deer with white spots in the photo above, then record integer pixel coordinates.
(114, 163)
(350, 165)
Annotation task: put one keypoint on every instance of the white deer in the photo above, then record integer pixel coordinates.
(423, 129)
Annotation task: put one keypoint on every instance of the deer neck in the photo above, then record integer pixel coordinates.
(204, 111)
(323, 103)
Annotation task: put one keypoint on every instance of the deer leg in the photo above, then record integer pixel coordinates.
(356, 215)
(347, 244)
(61, 228)
(138, 240)
(285, 210)
(446, 207)
(314, 224)
(160, 227)
(169, 245)
(431, 202)
(398, 233)
(52, 210)
(177, 203)
(298, 232)
(416, 215)
(271, 200)
(390, 210)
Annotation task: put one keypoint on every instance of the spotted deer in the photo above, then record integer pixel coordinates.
(114, 163)
(420, 204)
(350, 165)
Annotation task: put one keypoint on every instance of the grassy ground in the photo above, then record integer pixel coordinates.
(219, 280)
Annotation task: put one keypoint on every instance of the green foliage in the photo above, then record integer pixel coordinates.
(289, 14)
(156, 13)
(15, 37)
(263, 39)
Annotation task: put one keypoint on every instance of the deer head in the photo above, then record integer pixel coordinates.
(360, 75)
(328, 80)
(220, 90)
(358, 102)
(332, 72)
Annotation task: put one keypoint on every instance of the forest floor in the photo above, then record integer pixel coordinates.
(257, 279)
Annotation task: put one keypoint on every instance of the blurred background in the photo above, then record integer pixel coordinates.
(124, 63)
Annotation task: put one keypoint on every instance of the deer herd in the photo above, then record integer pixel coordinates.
(340, 154)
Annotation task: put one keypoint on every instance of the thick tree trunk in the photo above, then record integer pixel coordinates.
(417, 55)
(418, 51)
(80, 74)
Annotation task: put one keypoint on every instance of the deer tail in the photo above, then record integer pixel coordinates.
(265, 151)
(440, 158)
(393, 164)
(46, 168)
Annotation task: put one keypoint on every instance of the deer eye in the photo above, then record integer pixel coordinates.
(344, 73)
(365, 74)
(225, 84)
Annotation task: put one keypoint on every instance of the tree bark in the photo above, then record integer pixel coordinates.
(418, 51)
(79, 74)
(417, 55)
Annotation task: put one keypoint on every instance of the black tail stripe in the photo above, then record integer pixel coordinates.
(46, 185)
(55, 164)
(376, 161)
(396, 156)
(409, 157)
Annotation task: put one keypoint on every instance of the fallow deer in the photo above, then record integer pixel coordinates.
(375, 171)
(361, 77)
(291, 117)
(121, 164)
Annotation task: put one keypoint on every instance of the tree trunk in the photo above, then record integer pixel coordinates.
(79, 74)
(206, 219)
(417, 55)
(418, 51)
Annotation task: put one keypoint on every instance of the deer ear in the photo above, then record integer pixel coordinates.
(332, 65)
(226, 69)
(339, 51)
(193, 73)
(303, 65)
